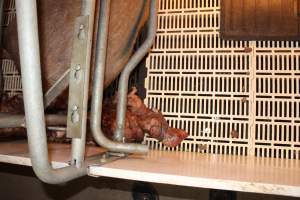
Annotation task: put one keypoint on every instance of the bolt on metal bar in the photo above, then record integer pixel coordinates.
(33, 97)
(78, 144)
(97, 98)
(133, 62)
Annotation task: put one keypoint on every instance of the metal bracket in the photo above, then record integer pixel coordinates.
(105, 158)
(76, 122)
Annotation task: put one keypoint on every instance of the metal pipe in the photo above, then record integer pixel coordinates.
(33, 97)
(98, 81)
(18, 121)
(78, 144)
(133, 62)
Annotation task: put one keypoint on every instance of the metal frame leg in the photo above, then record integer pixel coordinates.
(33, 97)
(97, 97)
(133, 62)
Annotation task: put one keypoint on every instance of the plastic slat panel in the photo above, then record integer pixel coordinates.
(215, 90)
(211, 88)
(12, 78)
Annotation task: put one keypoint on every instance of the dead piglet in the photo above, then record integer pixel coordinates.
(153, 122)
(132, 130)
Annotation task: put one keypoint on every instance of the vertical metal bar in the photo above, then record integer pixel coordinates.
(78, 144)
(133, 62)
(98, 81)
(33, 97)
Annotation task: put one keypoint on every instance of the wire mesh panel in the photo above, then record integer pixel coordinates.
(233, 97)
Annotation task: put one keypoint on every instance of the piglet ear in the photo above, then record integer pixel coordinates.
(133, 91)
(155, 110)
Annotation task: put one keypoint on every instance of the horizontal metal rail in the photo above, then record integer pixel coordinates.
(18, 121)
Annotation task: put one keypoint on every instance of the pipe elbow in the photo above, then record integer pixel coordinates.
(58, 176)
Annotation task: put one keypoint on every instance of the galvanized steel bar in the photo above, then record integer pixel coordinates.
(98, 81)
(78, 144)
(57, 88)
(12, 121)
(18, 121)
(133, 62)
(33, 97)
(96, 108)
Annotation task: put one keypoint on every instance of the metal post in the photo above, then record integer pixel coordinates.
(78, 144)
(133, 62)
(96, 108)
(33, 97)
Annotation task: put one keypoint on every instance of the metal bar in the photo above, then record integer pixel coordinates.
(133, 62)
(78, 144)
(33, 97)
(97, 98)
(76, 125)
(57, 88)
(18, 121)
(96, 108)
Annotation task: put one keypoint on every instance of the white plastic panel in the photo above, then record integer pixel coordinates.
(12, 78)
(277, 100)
(9, 11)
(233, 97)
